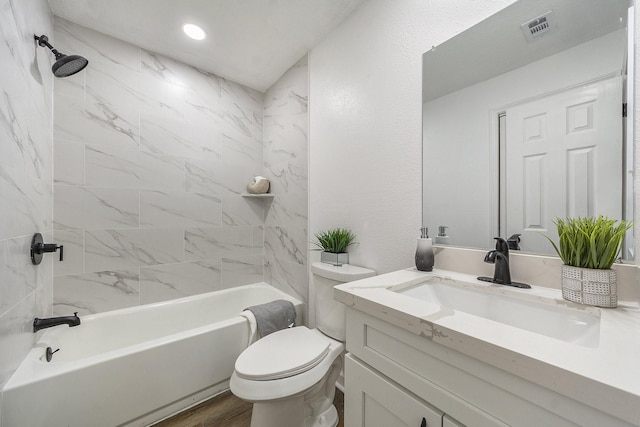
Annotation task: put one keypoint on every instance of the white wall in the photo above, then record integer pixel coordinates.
(366, 122)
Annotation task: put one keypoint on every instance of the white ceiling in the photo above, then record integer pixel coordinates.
(252, 42)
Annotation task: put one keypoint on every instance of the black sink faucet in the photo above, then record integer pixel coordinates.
(500, 257)
(55, 321)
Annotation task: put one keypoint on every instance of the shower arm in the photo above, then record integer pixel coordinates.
(44, 41)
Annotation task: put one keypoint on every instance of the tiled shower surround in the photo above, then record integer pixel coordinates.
(26, 99)
(150, 159)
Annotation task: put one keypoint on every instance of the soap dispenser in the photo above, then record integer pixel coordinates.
(442, 238)
(424, 251)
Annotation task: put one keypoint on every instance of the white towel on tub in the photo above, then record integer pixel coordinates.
(253, 326)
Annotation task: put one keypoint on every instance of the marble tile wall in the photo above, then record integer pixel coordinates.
(26, 164)
(151, 156)
(286, 124)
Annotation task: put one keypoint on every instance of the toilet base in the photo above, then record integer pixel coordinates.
(328, 418)
(290, 413)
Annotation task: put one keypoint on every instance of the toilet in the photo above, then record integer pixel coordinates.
(290, 375)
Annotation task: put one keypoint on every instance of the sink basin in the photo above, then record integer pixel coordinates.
(573, 325)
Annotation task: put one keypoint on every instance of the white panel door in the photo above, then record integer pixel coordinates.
(563, 157)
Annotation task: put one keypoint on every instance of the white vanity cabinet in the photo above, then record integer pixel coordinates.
(372, 400)
(394, 377)
(447, 421)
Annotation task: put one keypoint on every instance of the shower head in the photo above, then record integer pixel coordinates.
(65, 65)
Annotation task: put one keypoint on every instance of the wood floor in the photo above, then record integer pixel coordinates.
(226, 410)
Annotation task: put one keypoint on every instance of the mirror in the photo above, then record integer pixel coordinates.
(523, 124)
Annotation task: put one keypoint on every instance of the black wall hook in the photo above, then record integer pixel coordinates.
(38, 248)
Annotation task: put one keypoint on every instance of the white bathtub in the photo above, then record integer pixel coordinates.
(136, 365)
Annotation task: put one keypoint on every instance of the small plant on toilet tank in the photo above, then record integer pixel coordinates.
(334, 244)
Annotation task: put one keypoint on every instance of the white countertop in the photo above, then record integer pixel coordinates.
(605, 376)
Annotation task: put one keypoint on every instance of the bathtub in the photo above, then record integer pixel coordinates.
(134, 366)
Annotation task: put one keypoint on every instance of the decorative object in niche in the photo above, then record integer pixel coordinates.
(259, 185)
(334, 244)
(588, 248)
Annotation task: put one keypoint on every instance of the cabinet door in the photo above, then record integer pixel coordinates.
(372, 400)
(447, 421)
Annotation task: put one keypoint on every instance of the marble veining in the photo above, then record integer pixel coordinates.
(23, 198)
(113, 89)
(290, 277)
(112, 249)
(179, 209)
(95, 292)
(89, 207)
(105, 167)
(206, 176)
(218, 242)
(284, 246)
(73, 242)
(112, 55)
(241, 270)
(162, 68)
(23, 150)
(106, 124)
(163, 135)
(169, 281)
(238, 211)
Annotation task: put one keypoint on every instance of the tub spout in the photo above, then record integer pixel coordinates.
(54, 321)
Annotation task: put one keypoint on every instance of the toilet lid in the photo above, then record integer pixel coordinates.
(282, 354)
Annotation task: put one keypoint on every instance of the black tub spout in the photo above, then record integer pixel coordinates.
(55, 321)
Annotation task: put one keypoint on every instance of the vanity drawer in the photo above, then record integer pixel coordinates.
(472, 392)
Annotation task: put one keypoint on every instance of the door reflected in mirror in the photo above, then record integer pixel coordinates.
(519, 130)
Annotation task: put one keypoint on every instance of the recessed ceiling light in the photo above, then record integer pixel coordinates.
(194, 31)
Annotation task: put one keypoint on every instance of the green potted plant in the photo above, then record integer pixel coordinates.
(334, 244)
(588, 248)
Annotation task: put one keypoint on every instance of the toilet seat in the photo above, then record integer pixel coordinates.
(261, 390)
(282, 354)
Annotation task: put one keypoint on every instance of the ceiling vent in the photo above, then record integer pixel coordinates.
(538, 27)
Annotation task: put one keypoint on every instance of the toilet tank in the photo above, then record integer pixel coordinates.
(330, 314)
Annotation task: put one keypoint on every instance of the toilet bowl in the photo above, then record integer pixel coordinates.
(290, 375)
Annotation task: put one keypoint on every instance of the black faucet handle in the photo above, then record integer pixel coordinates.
(514, 242)
(38, 248)
(502, 246)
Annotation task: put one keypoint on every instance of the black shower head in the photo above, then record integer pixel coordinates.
(65, 65)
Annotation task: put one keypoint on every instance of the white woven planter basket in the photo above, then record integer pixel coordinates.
(589, 286)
